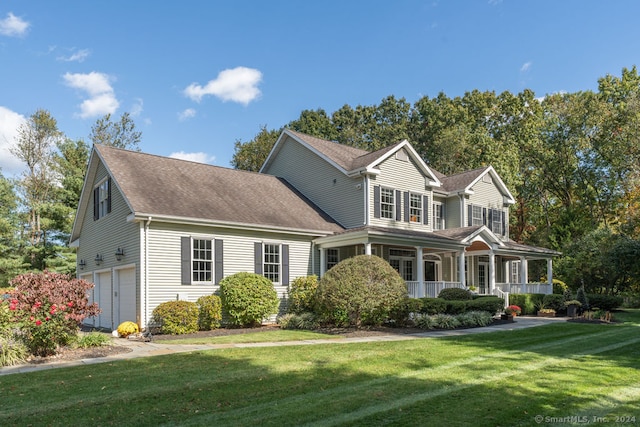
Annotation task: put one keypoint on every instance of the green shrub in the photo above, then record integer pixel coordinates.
(176, 317)
(399, 315)
(12, 350)
(362, 290)
(209, 312)
(559, 287)
(446, 321)
(455, 307)
(433, 305)
(489, 304)
(425, 321)
(92, 339)
(605, 302)
(553, 301)
(455, 294)
(302, 293)
(581, 296)
(529, 303)
(298, 321)
(248, 298)
(472, 319)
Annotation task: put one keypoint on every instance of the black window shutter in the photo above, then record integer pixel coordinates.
(504, 223)
(219, 261)
(257, 261)
(490, 220)
(109, 195)
(470, 215)
(376, 201)
(398, 205)
(185, 258)
(484, 216)
(406, 207)
(285, 266)
(96, 203)
(425, 209)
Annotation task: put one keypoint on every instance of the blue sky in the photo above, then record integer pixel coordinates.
(199, 75)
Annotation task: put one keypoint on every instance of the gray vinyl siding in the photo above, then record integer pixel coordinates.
(165, 260)
(323, 184)
(488, 195)
(105, 235)
(403, 176)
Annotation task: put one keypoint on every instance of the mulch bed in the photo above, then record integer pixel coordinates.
(66, 354)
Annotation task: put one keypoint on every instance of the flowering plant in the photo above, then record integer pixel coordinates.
(513, 310)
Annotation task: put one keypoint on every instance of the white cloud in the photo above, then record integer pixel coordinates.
(101, 100)
(10, 121)
(239, 84)
(199, 157)
(13, 26)
(526, 66)
(77, 56)
(137, 107)
(186, 114)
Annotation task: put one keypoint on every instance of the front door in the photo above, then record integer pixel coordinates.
(431, 271)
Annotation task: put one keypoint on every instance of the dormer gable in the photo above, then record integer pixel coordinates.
(463, 183)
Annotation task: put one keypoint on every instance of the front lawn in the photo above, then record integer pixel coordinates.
(525, 377)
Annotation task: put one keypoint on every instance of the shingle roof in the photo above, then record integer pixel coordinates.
(460, 181)
(165, 186)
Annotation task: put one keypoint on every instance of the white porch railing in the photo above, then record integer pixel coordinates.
(429, 289)
(525, 288)
(503, 295)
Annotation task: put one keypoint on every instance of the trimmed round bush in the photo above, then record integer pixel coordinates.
(554, 301)
(362, 290)
(455, 294)
(210, 312)
(176, 317)
(488, 304)
(433, 305)
(248, 298)
(302, 292)
(605, 302)
(127, 328)
(402, 313)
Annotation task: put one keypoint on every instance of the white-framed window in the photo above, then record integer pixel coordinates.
(387, 203)
(202, 260)
(333, 257)
(515, 271)
(271, 262)
(438, 216)
(476, 218)
(402, 260)
(415, 208)
(102, 199)
(496, 221)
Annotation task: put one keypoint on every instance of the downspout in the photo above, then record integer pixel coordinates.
(144, 290)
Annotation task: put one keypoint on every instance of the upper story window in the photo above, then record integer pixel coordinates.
(102, 199)
(415, 208)
(438, 216)
(496, 221)
(477, 217)
(387, 203)
(333, 257)
(202, 260)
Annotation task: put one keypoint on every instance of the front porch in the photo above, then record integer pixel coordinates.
(431, 289)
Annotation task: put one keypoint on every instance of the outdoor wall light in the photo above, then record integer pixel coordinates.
(82, 264)
(119, 254)
(98, 259)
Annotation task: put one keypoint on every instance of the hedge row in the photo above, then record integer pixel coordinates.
(489, 304)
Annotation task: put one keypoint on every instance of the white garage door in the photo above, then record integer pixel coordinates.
(103, 293)
(124, 296)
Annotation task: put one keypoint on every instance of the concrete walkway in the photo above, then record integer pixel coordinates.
(158, 348)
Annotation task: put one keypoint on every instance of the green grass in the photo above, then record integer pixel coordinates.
(276, 335)
(493, 379)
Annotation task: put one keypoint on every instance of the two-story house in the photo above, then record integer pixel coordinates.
(151, 229)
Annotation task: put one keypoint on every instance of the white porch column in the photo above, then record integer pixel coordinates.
(550, 271)
(524, 273)
(492, 272)
(420, 271)
(323, 261)
(461, 262)
(367, 248)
